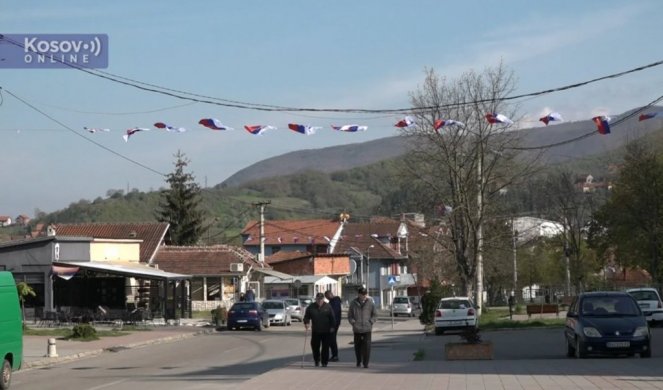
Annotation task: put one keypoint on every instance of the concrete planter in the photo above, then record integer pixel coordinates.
(465, 351)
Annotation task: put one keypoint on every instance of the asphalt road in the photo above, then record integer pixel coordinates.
(227, 359)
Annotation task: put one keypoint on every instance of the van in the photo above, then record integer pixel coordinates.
(11, 329)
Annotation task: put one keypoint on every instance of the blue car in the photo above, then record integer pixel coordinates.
(609, 323)
(247, 315)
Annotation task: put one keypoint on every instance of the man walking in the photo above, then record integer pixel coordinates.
(321, 315)
(362, 316)
(335, 303)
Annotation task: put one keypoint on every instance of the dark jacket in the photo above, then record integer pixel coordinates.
(322, 317)
(335, 304)
(362, 316)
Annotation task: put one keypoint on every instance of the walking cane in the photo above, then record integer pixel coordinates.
(304, 349)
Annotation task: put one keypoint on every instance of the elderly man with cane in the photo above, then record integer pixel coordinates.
(321, 316)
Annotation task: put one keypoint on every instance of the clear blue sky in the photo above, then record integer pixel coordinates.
(359, 54)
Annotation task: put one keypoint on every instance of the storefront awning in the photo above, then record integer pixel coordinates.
(125, 269)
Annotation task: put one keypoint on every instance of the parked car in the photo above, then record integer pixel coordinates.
(296, 307)
(650, 303)
(247, 315)
(277, 311)
(606, 323)
(307, 301)
(456, 313)
(404, 306)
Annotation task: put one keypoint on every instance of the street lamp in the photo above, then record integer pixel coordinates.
(368, 268)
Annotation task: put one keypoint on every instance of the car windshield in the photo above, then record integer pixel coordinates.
(291, 302)
(401, 300)
(646, 295)
(609, 306)
(455, 304)
(272, 305)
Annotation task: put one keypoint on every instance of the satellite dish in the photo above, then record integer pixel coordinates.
(353, 266)
(297, 283)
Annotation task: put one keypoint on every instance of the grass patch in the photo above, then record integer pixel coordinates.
(202, 315)
(54, 332)
(419, 355)
(498, 318)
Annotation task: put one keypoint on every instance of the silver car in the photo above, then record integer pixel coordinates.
(296, 307)
(404, 306)
(278, 312)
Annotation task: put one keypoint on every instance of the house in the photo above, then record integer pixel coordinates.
(5, 220)
(311, 235)
(219, 273)
(90, 265)
(378, 253)
(311, 274)
(22, 220)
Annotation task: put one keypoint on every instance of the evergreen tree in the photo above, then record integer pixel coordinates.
(180, 205)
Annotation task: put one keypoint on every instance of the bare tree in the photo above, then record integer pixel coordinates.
(464, 167)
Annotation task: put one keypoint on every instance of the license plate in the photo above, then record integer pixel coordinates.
(455, 322)
(618, 344)
(644, 305)
(241, 321)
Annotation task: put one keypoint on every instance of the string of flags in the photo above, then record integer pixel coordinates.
(602, 123)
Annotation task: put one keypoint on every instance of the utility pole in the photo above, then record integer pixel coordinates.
(514, 233)
(261, 255)
(479, 249)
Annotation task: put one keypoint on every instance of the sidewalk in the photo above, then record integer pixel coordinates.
(35, 348)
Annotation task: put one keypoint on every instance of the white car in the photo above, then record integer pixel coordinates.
(278, 312)
(650, 303)
(456, 313)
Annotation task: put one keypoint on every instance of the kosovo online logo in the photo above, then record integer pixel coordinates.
(53, 51)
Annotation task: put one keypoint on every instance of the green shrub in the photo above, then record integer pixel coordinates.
(84, 332)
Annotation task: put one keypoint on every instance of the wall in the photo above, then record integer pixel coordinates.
(115, 251)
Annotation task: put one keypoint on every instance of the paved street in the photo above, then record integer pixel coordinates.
(524, 359)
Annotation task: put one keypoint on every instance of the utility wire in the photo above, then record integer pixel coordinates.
(179, 94)
(82, 136)
(591, 133)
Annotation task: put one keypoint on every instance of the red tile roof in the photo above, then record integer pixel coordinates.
(283, 232)
(152, 234)
(203, 260)
(282, 256)
(362, 235)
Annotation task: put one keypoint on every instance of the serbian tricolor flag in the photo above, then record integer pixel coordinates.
(350, 128)
(161, 125)
(303, 129)
(258, 129)
(494, 118)
(650, 115)
(133, 131)
(408, 121)
(552, 117)
(602, 124)
(213, 124)
(440, 123)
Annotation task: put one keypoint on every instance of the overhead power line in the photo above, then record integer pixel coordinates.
(82, 136)
(185, 95)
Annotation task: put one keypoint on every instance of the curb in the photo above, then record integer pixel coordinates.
(46, 362)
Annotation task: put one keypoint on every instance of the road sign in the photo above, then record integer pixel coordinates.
(391, 279)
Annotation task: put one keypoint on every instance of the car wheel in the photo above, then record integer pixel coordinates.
(6, 378)
(570, 350)
(439, 331)
(259, 327)
(646, 354)
(580, 353)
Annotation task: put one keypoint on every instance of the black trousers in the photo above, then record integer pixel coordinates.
(333, 345)
(363, 348)
(319, 340)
